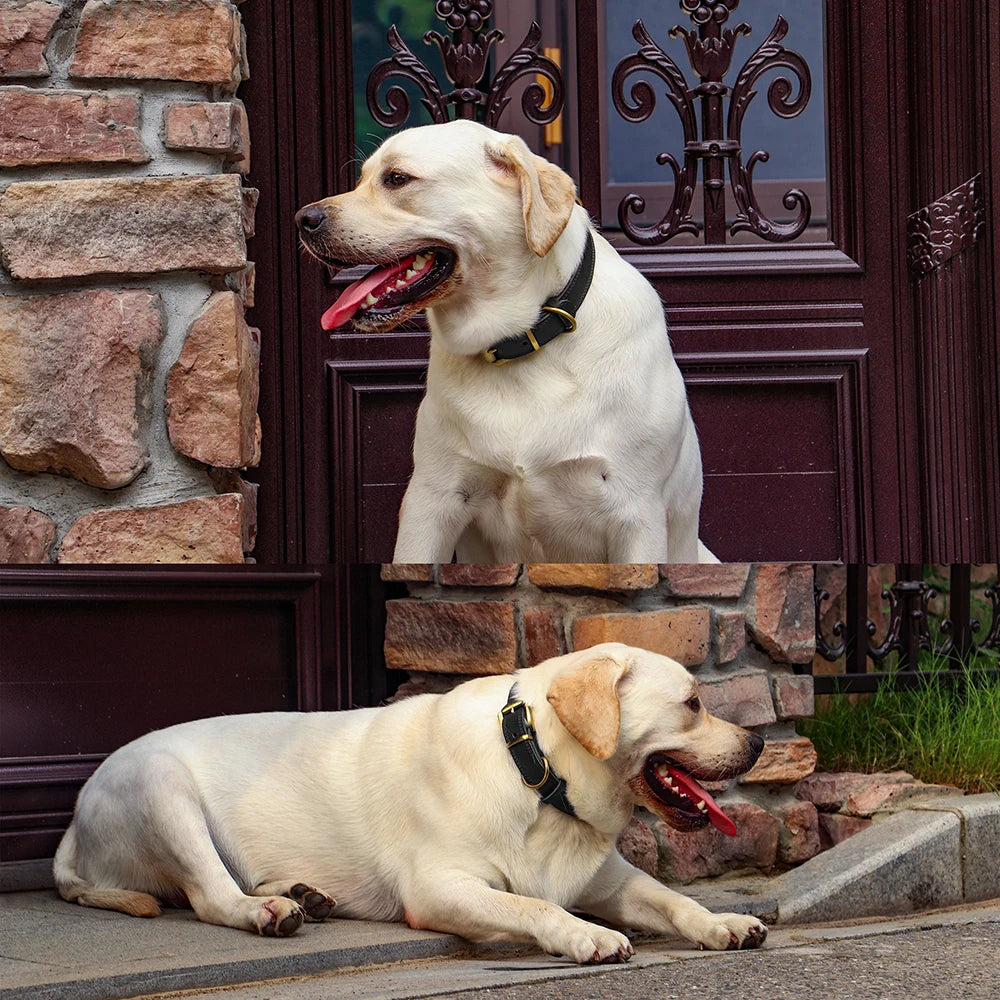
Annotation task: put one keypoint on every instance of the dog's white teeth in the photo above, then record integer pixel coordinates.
(411, 274)
(421, 261)
(370, 300)
(702, 807)
(401, 283)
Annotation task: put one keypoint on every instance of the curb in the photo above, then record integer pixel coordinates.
(934, 854)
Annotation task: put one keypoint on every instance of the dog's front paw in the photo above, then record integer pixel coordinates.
(278, 916)
(593, 945)
(731, 932)
(316, 903)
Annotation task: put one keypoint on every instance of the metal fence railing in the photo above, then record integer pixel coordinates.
(960, 636)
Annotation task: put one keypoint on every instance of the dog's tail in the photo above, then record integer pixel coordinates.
(75, 890)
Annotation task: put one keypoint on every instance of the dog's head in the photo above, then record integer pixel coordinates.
(640, 712)
(434, 207)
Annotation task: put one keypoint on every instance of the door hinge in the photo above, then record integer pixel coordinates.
(944, 228)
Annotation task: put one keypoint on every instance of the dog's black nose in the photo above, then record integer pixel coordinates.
(310, 219)
(756, 745)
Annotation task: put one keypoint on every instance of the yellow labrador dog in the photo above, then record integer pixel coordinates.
(489, 812)
(555, 425)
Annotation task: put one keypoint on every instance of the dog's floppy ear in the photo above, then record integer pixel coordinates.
(585, 699)
(547, 193)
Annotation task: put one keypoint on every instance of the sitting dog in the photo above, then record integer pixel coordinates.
(555, 425)
(488, 812)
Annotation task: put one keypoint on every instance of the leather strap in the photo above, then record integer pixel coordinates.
(522, 743)
(558, 315)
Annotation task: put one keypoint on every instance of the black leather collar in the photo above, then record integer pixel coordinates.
(558, 315)
(522, 742)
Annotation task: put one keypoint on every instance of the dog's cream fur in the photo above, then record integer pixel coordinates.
(414, 812)
(582, 452)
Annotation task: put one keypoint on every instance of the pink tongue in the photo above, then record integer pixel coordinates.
(352, 296)
(692, 789)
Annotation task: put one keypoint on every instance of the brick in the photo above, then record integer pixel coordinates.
(407, 572)
(479, 574)
(687, 856)
(25, 29)
(834, 828)
(205, 530)
(230, 481)
(242, 282)
(793, 695)
(26, 535)
(829, 791)
(637, 845)
(75, 373)
(781, 612)
(782, 762)
(730, 635)
(725, 580)
(41, 126)
(195, 41)
(543, 633)
(212, 389)
(681, 633)
(218, 127)
(450, 637)
(594, 576)
(60, 229)
(798, 837)
(743, 699)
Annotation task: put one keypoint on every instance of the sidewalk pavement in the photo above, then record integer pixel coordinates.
(937, 854)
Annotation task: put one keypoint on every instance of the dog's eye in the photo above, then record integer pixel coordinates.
(396, 178)
(694, 704)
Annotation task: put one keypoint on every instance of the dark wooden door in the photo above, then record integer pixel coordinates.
(846, 397)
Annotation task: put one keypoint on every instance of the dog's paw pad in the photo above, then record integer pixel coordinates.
(317, 905)
(279, 921)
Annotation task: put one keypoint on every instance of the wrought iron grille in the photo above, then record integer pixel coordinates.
(466, 55)
(907, 631)
(712, 139)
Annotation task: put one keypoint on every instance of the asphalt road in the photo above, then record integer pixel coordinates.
(948, 956)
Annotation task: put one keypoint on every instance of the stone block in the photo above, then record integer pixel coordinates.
(798, 838)
(743, 699)
(687, 856)
(450, 637)
(243, 283)
(479, 574)
(204, 530)
(782, 762)
(213, 387)
(75, 372)
(407, 572)
(230, 481)
(880, 796)
(195, 41)
(730, 635)
(681, 633)
(721, 580)
(543, 633)
(42, 126)
(25, 29)
(26, 536)
(594, 576)
(781, 612)
(793, 695)
(829, 791)
(836, 827)
(218, 127)
(637, 845)
(62, 229)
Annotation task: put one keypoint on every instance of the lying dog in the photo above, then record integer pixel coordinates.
(582, 447)
(432, 810)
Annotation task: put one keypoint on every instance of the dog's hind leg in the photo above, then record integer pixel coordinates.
(316, 904)
(141, 828)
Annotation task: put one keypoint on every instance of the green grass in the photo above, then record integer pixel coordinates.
(940, 733)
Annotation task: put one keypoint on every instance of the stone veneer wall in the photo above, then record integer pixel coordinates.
(741, 629)
(128, 373)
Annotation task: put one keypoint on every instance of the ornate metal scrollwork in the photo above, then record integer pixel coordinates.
(827, 650)
(710, 50)
(465, 55)
(907, 630)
